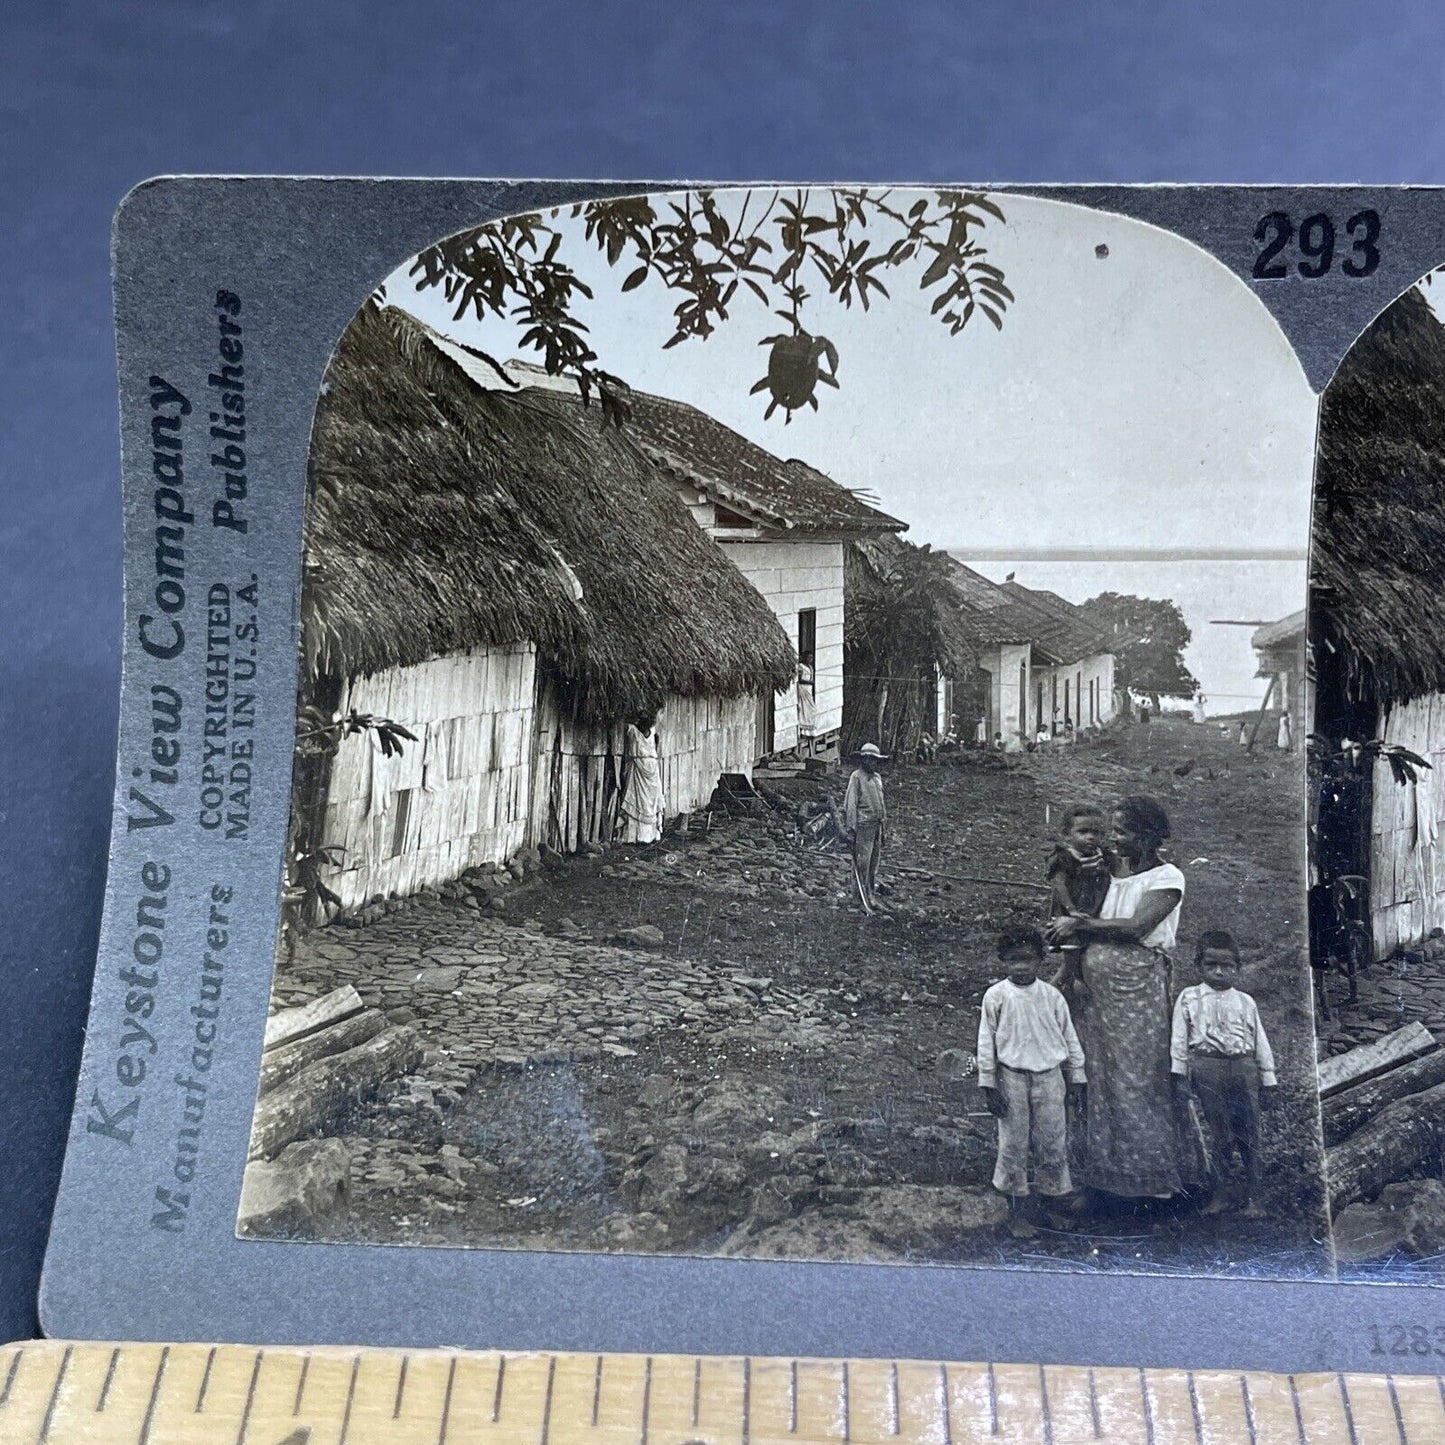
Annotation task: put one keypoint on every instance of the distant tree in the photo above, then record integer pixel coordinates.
(1149, 636)
(771, 250)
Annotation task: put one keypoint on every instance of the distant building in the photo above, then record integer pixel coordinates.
(1043, 666)
(1281, 652)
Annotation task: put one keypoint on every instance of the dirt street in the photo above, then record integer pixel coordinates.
(757, 1070)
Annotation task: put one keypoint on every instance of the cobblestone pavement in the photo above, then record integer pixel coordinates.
(1393, 993)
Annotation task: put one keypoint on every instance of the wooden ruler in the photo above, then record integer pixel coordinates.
(53, 1393)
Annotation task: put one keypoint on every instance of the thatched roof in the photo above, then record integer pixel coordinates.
(1376, 600)
(445, 515)
(899, 603)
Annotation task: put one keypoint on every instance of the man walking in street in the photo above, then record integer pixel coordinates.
(864, 817)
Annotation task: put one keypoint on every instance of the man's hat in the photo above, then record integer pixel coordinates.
(870, 750)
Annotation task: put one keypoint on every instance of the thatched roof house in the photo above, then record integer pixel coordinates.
(1377, 609)
(1376, 603)
(513, 584)
(445, 515)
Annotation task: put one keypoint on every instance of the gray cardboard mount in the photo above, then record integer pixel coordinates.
(301, 255)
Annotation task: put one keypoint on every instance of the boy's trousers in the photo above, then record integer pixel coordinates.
(867, 850)
(1032, 1130)
(1228, 1092)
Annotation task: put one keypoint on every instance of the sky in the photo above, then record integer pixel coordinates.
(1137, 398)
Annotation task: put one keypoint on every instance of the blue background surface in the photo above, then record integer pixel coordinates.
(95, 97)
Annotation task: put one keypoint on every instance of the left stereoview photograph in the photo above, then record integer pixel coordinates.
(789, 761)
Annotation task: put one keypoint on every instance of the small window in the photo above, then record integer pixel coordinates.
(402, 805)
(808, 636)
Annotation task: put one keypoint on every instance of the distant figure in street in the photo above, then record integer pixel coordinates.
(980, 733)
(642, 786)
(1283, 740)
(998, 742)
(1027, 1047)
(864, 817)
(1243, 735)
(1220, 1056)
(1199, 707)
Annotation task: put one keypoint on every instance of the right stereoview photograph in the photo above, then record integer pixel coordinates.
(1377, 805)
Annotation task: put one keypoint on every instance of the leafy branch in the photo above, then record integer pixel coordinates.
(784, 249)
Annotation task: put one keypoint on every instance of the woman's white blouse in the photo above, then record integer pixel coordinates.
(1126, 894)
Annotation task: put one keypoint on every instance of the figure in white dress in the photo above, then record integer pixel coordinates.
(642, 787)
(807, 703)
(1283, 739)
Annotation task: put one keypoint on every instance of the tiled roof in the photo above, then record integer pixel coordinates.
(733, 470)
(1008, 612)
(1273, 633)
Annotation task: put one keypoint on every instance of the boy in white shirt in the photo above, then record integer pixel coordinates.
(1220, 1055)
(1026, 1047)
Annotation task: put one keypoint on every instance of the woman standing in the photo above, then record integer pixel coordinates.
(642, 787)
(1131, 1147)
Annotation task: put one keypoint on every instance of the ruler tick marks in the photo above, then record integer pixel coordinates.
(1194, 1408)
(748, 1399)
(350, 1397)
(1048, 1419)
(597, 1392)
(400, 1388)
(250, 1400)
(847, 1405)
(1395, 1406)
(205, 1381)
(1299, 1419)
(792, 1398)
(501, 1381)
(947, 1407)
(150, 1415)
(1148, 1407)
(696, 1389)
(1349, 1412)
(44, 1434)
(301, 1384)
(10, 1376)
(447, 1400)
(109, 1376)
(547, 1402)
(1094, 1408)
(893, 1406)
(1249, 1420)
(992, 1402)
(646, 1398)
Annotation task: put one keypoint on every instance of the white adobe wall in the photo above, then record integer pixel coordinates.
(793, 576)
(458, 796)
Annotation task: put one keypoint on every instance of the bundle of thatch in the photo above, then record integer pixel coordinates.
(1376, 605)
(903, 625)
(446, 515)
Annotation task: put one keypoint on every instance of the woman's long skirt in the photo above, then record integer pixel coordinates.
(1131, 1145)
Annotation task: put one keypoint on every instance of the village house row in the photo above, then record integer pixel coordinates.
(489, 566)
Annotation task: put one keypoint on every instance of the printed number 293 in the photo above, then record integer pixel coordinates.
(1317, 243)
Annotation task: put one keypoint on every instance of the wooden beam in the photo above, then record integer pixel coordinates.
(1354, 1107)
(1406, 1138)
(1369, 1060)
(320, 1013)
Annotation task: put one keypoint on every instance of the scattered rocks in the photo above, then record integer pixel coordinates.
(304, 1182)
(644, 935)
(1407, 1218)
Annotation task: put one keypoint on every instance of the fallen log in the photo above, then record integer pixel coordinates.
(287, 1060)
(1356, 1106)
(322, 1091)
(292, 1023)
(1406, 1138)
(1369, 1060)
